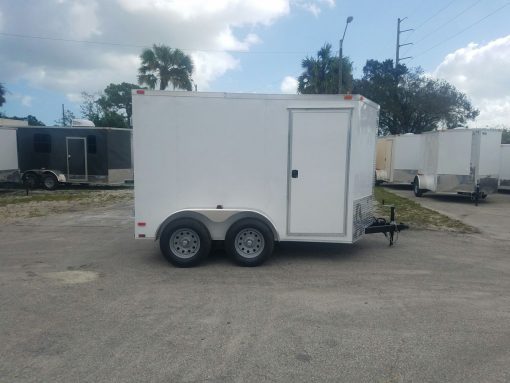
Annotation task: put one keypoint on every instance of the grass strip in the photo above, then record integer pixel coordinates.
(415, 215)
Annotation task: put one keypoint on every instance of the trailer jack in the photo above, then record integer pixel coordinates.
(381, 225)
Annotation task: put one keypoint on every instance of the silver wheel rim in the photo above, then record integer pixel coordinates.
(249, 243)
(184, 243)
(49, 182)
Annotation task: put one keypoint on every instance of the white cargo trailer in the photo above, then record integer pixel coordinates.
(504, 167)
(9, 169)
(397, 160)
(251, 169)
(462, 161)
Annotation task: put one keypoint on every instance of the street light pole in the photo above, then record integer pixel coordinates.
(340, 56)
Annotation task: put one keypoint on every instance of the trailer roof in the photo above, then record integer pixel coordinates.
(65, 127)
(463, 130)
(324, 97)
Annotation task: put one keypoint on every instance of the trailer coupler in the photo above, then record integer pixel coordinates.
(381, 225)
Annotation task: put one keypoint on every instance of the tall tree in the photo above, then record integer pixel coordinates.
(320, 75)
(117, 99)
(166, 65)
(66, 119)
(412, 102)
(2, 94)
(33, 121)
(93, 108)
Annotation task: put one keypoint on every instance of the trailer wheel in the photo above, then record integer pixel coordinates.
(416, 187)
(50, 182)
(249, 242)
(30, 180)
(185, 242)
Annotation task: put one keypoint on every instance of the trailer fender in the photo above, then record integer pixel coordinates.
(381, 175)
(426, 182)
(61, 177)
(218, 221)
(39, 173)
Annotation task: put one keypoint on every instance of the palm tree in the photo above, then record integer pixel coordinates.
(166, 65)
(320, 75)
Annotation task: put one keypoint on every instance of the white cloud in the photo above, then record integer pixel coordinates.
(24, 100)
(211, 65)
(314, 6)
(204, 29)
(289, 85)
(483, 73)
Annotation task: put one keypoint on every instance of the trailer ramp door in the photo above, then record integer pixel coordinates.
(318, 171)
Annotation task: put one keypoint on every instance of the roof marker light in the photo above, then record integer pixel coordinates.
(140, 91)
(348, 97)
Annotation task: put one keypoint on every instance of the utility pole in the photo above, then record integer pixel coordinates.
(63, 116)
(399, 32)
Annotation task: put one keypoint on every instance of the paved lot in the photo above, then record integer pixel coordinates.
(491, 216)
(83, 301)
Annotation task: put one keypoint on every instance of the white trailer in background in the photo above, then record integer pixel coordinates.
(462, 161)
(398, 158)
(251, 169)
(9, 169)
(504, 168)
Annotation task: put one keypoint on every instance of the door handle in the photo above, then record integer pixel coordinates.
(295, 173)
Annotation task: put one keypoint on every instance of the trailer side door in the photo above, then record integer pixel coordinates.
(318, 171)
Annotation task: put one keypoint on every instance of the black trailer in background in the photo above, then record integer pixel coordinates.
(52, 155)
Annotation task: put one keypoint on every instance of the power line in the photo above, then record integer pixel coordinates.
(449, 21)
(446, 23)
(435, 14)
(110, 43)
(463, 30)
(427, 20)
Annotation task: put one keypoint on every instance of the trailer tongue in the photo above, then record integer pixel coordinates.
(381, 225)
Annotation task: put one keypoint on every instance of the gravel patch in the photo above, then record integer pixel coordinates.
(16, 205)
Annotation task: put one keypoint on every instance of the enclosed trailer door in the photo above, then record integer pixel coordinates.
(76, 158)
(388, 159)
(318, 171)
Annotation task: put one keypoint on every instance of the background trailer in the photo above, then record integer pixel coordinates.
(53, 155)
(251, 169)
(463, 161)
(9, 170)
(398, 158)
(504, 175)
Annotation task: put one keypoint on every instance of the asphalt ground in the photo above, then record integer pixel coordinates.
(81, 300)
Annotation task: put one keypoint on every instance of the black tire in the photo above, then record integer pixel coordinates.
(178, 255)
(257, 239)
(31, 180)
(416, 188)
(49, 182)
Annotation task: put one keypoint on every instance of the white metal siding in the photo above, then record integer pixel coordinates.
(406, 152)
(490, 146)
(8, 149)
(454, 152)
(197, 151)
(505, 163)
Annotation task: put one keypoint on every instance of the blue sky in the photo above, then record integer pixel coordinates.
(273, 35)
